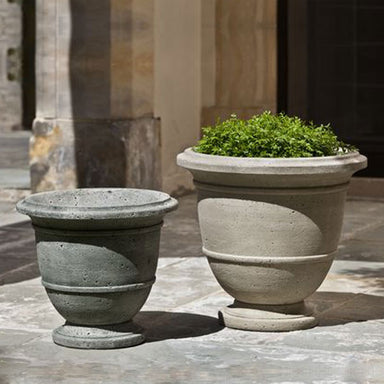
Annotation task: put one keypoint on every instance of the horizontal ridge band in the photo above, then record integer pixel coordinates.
(271, 190)
(104, 289)
(96, 232)
(269, 259)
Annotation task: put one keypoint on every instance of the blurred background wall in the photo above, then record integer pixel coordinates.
(122, 86)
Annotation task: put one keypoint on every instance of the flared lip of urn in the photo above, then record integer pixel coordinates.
(195, 161)
(97, 204)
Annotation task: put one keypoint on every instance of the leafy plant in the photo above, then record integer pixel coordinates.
(269, 135)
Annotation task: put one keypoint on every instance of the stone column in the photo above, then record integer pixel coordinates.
(177, 84)
(240, 58)
(94, 123)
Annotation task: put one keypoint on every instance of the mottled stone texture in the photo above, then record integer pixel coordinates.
(94, 123)
(67, 153)
(97, 251)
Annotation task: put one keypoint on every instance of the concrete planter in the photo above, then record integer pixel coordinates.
(270, 229)
(97, 251)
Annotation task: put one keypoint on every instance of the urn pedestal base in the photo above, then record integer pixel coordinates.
(268, 318)
(98, 337)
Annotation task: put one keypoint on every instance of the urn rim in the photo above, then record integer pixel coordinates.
(192, 160)
(97, 204)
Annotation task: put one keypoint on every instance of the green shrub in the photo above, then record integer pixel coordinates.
(269, 135)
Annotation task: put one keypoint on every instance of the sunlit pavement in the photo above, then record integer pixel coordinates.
(185, 343)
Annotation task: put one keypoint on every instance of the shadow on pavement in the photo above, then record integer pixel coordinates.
(17, 253)
(338, 308)
(175, 325)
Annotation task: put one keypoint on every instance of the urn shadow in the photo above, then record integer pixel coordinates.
(339, 308)
(159, 325)
(18, 261)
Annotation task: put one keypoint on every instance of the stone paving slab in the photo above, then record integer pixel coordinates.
(361, 250)
(15, 178)
(14, 161)
(14, 150)
(17, 252)
(186, 344)
(190, 346)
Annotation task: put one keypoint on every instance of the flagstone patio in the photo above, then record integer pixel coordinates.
(185, 342)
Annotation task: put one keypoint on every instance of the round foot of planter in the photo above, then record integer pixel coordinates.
(98, 337)
(268, 318)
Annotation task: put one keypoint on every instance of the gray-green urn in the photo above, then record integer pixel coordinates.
(97, 251)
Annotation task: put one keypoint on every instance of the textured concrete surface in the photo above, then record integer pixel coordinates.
(185, 342)
(97, 251)
(270, 229)
(96, 153)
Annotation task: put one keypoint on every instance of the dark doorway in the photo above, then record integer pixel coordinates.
(28, 58)
(334, 69)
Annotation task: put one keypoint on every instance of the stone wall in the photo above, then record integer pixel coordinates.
(10, 66)
(245, 62)
(125, 85)
(213, 58)
(95, 123)
(177, 84)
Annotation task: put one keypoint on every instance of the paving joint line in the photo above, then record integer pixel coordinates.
(367, 227)
(174, 263)
(201, 298)
(20, 269)
(343, 303)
